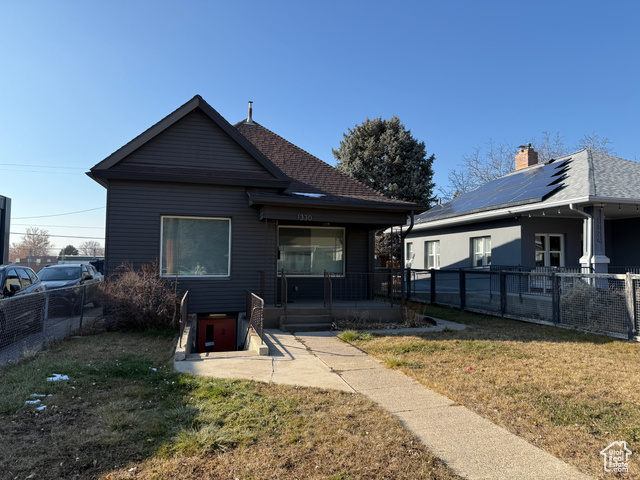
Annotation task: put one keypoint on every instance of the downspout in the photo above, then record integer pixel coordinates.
(589, 232)
(403, 236)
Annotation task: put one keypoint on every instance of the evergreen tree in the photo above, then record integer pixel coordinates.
(69, 250)
(384, 155)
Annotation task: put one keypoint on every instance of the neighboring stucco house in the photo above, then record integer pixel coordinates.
(223, 208)
(577, 211)
(5, 224)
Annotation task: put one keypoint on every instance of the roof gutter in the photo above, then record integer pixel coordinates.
(589, 233)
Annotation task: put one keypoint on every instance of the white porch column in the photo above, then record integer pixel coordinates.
(593, 241)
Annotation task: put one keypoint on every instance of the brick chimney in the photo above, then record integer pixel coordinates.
(526, 156)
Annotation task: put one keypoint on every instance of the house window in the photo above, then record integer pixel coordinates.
(549, 250)
(481, 250)
(410, 254)
(311, 250)
(432, 254)
(195, 247)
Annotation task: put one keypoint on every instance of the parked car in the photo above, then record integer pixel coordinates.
(20, 311)
(64, 282)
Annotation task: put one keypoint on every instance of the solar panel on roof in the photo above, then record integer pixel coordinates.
(527, 186)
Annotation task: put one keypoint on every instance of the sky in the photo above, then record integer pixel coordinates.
(80, 79)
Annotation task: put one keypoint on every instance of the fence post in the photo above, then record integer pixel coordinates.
(555, 297)
(463, 289)
(503, 293)
(630, 297)
(408, 293)
(433, 285)
(82, 300)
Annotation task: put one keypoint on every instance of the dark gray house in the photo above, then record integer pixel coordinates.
(223, 208)
(581, 211)
(5, 224)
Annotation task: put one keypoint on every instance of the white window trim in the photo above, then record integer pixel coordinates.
(548, 251)
(318, 275)
(207, 277)
(484, 251)
(436, 255)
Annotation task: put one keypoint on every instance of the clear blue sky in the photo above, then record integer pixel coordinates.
(80, 79)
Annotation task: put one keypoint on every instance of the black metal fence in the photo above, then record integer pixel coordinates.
(602, 303)
(30, 322)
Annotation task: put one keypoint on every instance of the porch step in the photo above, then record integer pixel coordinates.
(305, 323)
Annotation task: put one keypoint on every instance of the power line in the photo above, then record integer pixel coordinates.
(61, 236)
(60, 214)
(40, 166)
(54, 226)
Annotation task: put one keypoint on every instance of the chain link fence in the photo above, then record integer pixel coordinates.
(602, 303)
(30, 322)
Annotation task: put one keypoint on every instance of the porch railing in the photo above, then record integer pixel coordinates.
(384, 285)
(284, 286)
(184, 312)
(255, 314)
(328, 292)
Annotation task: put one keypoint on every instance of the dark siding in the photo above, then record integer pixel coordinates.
(195, 142)
(571, 228)
(622, 243)
(134, 215)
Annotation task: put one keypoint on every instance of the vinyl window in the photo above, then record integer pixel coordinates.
(310, 251)
(432, 254)
(195, 246)
(481, 251)
(549, 250)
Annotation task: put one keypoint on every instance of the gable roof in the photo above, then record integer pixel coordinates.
(314, 182)
(111, 167)
(578, 178)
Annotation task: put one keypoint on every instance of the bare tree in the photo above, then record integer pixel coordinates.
(91, 247)
(35, 242)
(596, 143)
(497, 160)
(480, 167)
(549, 147)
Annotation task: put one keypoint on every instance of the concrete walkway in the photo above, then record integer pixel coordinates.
(472, 446)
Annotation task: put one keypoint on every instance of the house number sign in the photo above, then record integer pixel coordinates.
(304, 217)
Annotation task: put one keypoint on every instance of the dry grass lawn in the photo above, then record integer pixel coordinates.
(570, 393)
(124, 413)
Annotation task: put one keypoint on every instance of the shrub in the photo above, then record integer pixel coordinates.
(138, 299)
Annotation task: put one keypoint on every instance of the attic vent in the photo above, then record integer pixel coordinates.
(250, 117)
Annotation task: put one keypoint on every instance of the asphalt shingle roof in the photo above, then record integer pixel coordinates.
(309, 174)
(585, 176)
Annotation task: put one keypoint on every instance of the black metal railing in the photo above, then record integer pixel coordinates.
(284, 286)
(384, 285)
(255, 314)
(328, 292)
(184, 314)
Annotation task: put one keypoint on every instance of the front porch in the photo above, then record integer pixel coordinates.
(313, 315)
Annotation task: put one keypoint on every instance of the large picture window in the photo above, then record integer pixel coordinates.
(311, 250)
(198, 247)
(481, 250)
